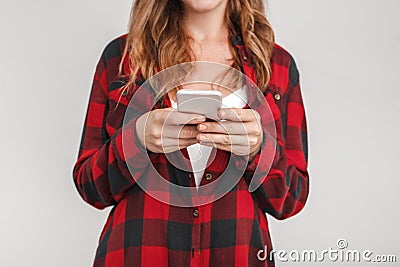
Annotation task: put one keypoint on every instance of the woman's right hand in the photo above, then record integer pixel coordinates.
(167, 130)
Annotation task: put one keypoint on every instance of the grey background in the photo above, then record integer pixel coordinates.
(347, 52)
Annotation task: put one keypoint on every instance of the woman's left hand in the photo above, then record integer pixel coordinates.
(241, 132)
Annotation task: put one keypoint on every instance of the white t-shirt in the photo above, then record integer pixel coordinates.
(198, 153)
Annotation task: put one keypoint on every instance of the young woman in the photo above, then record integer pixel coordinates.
(232, 230)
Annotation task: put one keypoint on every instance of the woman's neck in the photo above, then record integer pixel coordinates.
(206, 26)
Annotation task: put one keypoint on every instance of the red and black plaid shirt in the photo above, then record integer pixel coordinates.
(142, 231)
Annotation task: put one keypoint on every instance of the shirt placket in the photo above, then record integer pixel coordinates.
(197, 213)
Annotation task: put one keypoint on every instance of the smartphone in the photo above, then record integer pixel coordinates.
(204, 102)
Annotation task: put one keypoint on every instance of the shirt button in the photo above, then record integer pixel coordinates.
(277, 97)
(244, 58)
(208, 177)
(196, 213)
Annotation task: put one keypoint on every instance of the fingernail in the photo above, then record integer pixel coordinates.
(202, 127)
(200, 119)
(203, 137)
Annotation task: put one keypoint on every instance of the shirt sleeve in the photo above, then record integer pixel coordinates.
(101, 173)
(285, 185)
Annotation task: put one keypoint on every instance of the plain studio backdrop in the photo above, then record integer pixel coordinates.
(348, 53)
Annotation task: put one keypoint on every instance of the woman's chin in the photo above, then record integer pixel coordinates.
(202, 6)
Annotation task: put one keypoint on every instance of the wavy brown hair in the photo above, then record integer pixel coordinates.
(156, 37)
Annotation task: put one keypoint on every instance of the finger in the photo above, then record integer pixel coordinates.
(225, 127)
(235, 149)
(180, 131)
(173, 117)
(168, 143)
(229, 127)
(180, 118)
(224, 139)
(237, 114)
